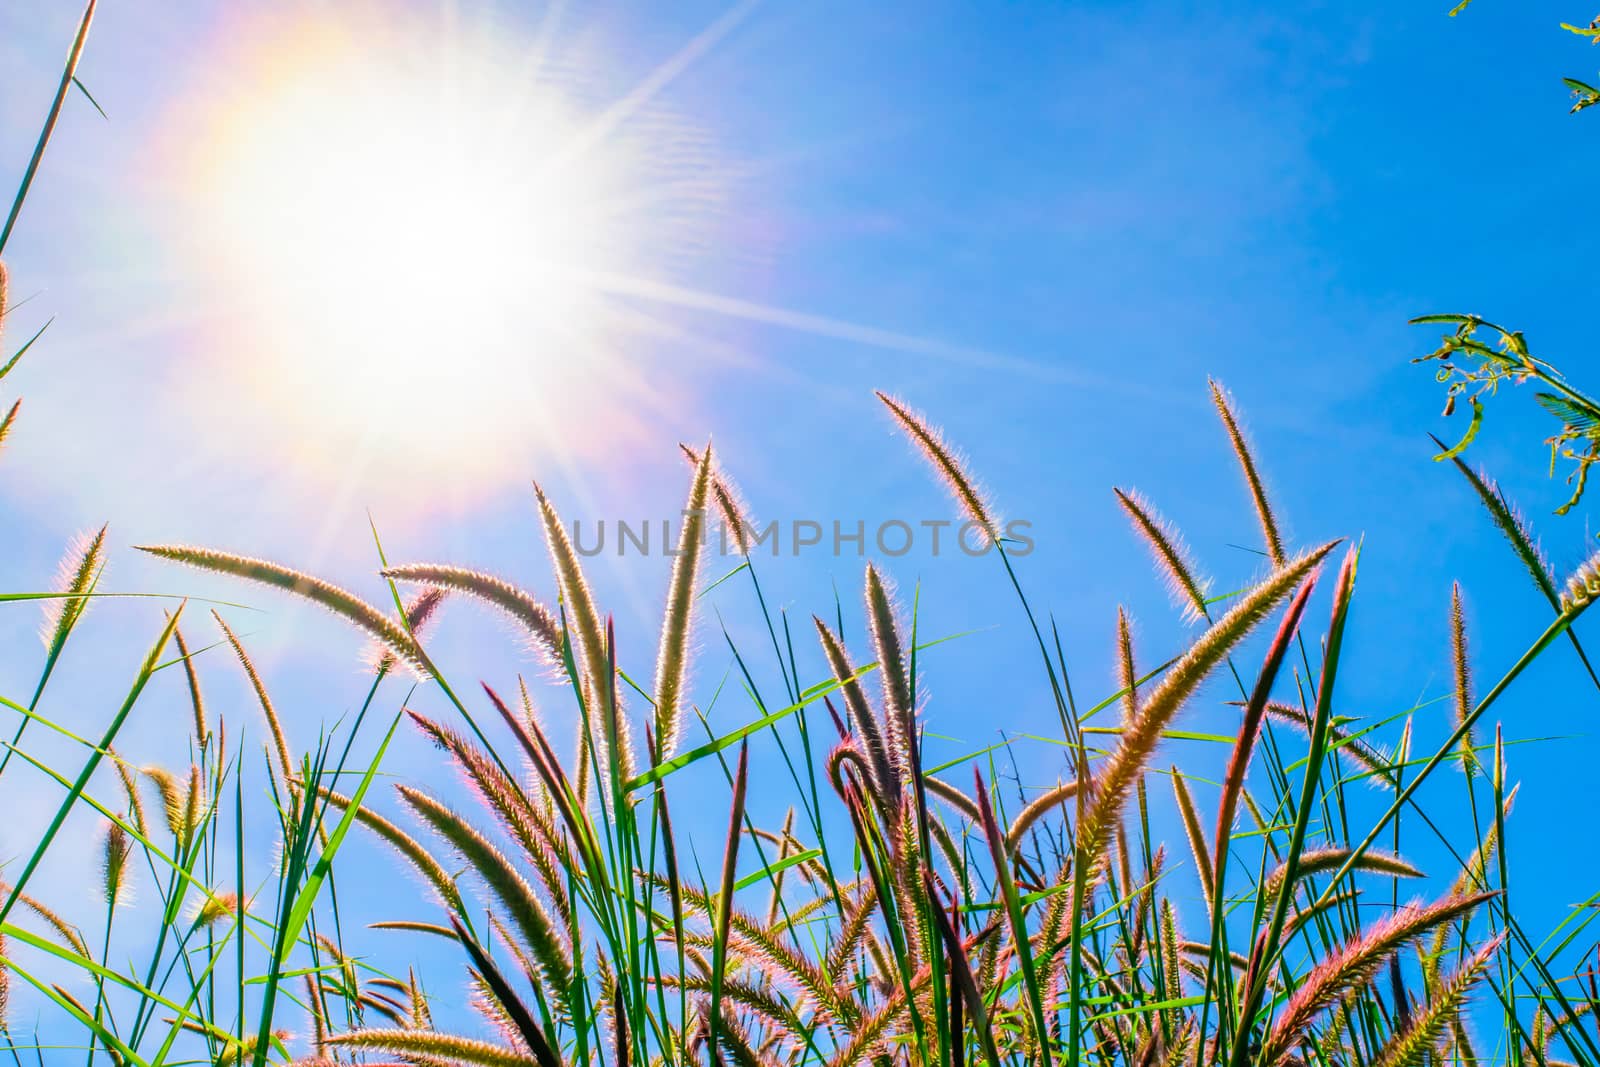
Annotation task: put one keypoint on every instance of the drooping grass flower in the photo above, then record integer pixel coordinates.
(80, 568)
(673, 656)
(1354, 964)
(947, 463)
(542, 628)
(730, 503)
(280, 743)
(1116, 777)
(1188, 588)
(1252, 476)
(341, 602)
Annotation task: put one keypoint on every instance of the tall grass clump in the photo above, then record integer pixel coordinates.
(903, 909)
(898, 912)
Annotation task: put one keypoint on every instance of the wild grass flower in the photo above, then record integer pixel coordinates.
(673, 657)
(590, 651)
(10, 420)
(947, 463)
(1415, 1043)
(542, 629)
(80, 568)
(339, 601)
(280, 743)
(730, 502)
(1258, 494)
(1116, 777)
(419, 612)
(1356, 963)
(1171, 555)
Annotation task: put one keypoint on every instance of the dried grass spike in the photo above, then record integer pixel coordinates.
(280, 743)
(931, 443)
(735, 513)
(341, 602)
(1414, 1043)
(1463, 673)
(1356, 963)
(10, 420)
(543, 629)
(1196, 835)
(1252, 476)
(1170, 553)
(673, 656)
(79, 570)
(1122, 769)
(899, 707)
(584, 618)
(419, 611)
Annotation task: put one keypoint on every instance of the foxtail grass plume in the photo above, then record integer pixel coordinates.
(1322, 860)
(1127, 676)
(429, 1046)
(542, 629)
(79, 570)
(1187, 587)
(672, 659)
(341, 602)
(420, 611)
(420, 859)
(1356, 963)
(541, 934)
(899, 706)
(583, 619)
(1463, 674)
(114, 884)
(1196, 835)
(884, 778)
(214, 908)
(10, 420)
(1252, 476)
(1117, 776)
(946, 462)
(197, 704)
(280, 743)
(1415, 1042)
(730, 502)
(1350, 747)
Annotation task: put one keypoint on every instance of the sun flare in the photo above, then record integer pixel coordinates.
(418, 224)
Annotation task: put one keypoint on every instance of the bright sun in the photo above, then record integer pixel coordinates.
(416, 220)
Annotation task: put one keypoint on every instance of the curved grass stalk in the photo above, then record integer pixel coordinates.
(522, 607)
(584, 618)
(410, 849)
(673, 657)
(274, 726)
(339, 601)
(434, 1046)
(1355, 963)
(1252, 476)
(1115, 780)
(1171, 555)
(542, 935)
(735, 513)
(946, 463)
(1333, 858)
(899, 705)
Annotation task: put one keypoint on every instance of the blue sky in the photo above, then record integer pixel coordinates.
(1045, 225)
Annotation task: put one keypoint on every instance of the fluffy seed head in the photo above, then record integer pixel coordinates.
(1184, 582)
(946, 462)
(76, 575)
